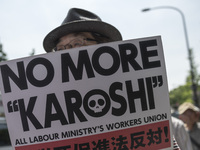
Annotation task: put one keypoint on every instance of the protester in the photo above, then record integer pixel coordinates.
(181, 135)
(82, 28)
(189, 114)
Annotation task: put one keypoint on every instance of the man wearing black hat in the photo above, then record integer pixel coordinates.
(82, 28)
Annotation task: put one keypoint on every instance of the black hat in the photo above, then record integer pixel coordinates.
(79, 20)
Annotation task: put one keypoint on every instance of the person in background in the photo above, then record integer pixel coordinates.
(189, 114)
(181, 135)
(82, 28)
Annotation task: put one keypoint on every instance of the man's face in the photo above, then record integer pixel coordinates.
(73, 40)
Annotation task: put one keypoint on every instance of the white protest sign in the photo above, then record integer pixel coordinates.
(105, 96)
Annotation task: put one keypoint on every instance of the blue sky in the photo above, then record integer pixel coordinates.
(25, 23)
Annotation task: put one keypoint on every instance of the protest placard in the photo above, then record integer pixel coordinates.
(106, 96)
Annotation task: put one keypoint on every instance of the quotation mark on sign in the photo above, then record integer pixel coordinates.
(12, 106)
(157, 81)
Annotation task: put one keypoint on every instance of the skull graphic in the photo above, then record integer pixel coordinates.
(97, 103)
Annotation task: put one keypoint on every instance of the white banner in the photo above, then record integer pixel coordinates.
(105, 96)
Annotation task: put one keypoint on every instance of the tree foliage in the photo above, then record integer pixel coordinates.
(33, 52)
(3, 56)
(181, 94)
(184, 92)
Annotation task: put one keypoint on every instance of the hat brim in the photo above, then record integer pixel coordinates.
(185, 106)
(102, 28)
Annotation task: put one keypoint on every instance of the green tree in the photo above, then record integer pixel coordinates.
(3, 56)
(194, 79)
(181, 94)
(33, 52)
(184, 92)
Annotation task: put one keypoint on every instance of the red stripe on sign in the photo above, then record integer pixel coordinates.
(152, 136)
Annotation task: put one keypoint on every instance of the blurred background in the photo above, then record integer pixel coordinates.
(24, 24)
